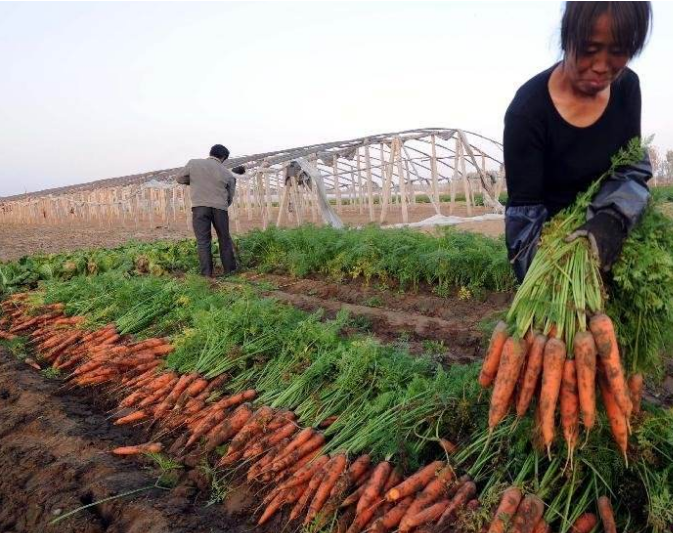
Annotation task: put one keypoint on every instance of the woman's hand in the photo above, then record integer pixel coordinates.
(606, 234)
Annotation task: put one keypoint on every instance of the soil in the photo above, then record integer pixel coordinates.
(55, 457)
(17, 241)
(410, 317)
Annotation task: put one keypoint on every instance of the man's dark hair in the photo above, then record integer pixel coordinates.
(238, 170)
(631, 23)
(220, 152)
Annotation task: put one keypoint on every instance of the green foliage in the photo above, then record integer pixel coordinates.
(403, 257)
(641, 294)
(563, 284)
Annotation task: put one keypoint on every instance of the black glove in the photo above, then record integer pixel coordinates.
(606, 233)
(238, 170)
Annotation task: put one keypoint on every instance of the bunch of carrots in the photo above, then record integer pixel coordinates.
(563, 297)
(542, 366)
(275, 452)
(289, 462)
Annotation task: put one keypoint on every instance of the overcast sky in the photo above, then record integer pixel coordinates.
(98, 90)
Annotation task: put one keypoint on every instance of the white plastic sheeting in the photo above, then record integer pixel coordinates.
(441, 220)
(328, 214)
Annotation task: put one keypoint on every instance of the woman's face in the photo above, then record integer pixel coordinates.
(598, 62)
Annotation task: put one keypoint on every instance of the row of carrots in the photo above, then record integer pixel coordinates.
(266, 444)
(541, 365)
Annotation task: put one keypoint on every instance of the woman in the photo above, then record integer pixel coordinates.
(565, 124)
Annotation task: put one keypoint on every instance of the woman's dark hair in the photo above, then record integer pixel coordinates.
(631, 23)
(238, 170)
(220, 152)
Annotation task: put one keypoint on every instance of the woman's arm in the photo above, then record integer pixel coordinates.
(524, 172)
(622, 198)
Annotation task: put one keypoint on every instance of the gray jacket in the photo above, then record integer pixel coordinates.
(210, 183)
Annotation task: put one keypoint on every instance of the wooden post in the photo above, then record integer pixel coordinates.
(282, 204)
(360, 195)
(387, 183)
(403, 187)
(337, 185)
(370, 192)
(456, 171)
(466, 183)
(435, 178)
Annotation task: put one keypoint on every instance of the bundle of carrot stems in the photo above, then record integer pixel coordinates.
(558, 340)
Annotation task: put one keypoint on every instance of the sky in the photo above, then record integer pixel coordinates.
(106, 89)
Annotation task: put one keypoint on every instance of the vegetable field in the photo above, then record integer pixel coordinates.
(226, 406)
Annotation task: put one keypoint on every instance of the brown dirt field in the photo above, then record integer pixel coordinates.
(396, 316)
(54, 458)
(18, 241)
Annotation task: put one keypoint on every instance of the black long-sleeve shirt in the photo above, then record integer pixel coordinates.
(548, 161)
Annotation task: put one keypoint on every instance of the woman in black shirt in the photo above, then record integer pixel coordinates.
(565, 124)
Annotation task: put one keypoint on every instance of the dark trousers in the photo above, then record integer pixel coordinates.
(202, 219)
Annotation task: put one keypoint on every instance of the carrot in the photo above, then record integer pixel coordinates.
(606, 514)
(448, 446)
(299, 439)
(149, 447)
(433, 491)
(363, 518)
(252, 427)
(159, 394)
(354, 496)
(305, 474)
(237, 399)
(505, 511)
(552, 373)
(511, 361)
(271, 440)
(553, 331)
(584, 524)
(429, 514)
(310, 491)
(584, 349)
(372, 491)
(636, 391)
(328, 422)
(462, 496)
(175, 393)
(164, 349)
(528, 514)
(391, 519)
(271, 509)
(415, 482)
(615, 414)
(146, 344)
(303, 461)
(359, 467)
(491, 363)
(333, 471)
(531, 375)
(344, 520)
(136, 416)
(309, 446)
(267, 458)
(193, 390)
(542, 527)
(608, 350)
(569, 406)
(132, 399)
(341, 487)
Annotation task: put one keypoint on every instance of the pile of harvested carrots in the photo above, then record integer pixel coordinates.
(541, 366)
(266, 444)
